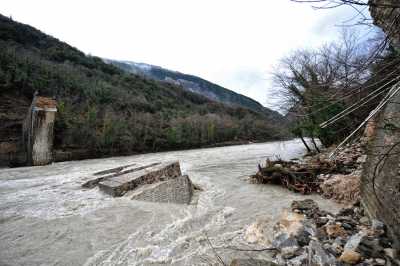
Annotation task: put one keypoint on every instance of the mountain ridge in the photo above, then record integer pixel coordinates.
(194, 84)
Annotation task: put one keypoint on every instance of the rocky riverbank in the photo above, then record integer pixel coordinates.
(307, 235)
(322, 238)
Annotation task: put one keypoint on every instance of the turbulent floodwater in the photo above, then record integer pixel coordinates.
(46, 218)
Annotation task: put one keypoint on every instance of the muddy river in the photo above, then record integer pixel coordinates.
(46, 218)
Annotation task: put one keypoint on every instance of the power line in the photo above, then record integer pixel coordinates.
(355, 91)
(372, 114)
(358, 104)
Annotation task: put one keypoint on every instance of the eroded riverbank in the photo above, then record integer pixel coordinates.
(47, 218)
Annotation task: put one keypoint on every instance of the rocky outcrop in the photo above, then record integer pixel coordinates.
(380, 181)
(386, 15)
(380, 188)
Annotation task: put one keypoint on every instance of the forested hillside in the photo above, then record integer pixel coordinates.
(196, 84)
(105, 110)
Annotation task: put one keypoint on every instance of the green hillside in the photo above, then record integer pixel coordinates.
(197, 85)
(105, 110)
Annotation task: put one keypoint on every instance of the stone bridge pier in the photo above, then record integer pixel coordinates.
(38, 131)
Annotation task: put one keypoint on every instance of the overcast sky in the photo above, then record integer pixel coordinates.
(234, 43)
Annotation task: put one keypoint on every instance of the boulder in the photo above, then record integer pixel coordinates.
(292, 232)
(370, 247)
(287, 245)
(378, 228)
(365, 245)
(257, 233)
(350, 257)
(354, 241)
(335, 248)
(335, 230)
(390, 252)
(318, 256)
(377, 225)
(380, 261)
(298, 261)
(307, 206)
(362, 159)
(364, 220)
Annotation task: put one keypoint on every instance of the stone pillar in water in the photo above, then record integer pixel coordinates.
(38, 131)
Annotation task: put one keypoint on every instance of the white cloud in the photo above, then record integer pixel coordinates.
(231, 42)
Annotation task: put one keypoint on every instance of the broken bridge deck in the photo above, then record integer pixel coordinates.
(118, 184)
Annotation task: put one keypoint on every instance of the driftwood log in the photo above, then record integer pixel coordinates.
(298, 177)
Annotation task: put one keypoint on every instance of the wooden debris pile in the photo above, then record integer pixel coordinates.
(302, 177)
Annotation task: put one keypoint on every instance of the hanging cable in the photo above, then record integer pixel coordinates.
(358, 104)
(372, 114)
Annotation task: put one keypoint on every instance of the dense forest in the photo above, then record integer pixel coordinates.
(107, 111)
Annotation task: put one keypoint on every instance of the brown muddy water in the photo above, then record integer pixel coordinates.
(46, 218)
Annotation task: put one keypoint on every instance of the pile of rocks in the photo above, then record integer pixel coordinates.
(306, 235)
(342, 188)
(345, 187)
(350, 156)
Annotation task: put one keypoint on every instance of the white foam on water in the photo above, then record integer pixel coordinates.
(52, 220)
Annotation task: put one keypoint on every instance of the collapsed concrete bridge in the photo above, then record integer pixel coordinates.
(156, 182)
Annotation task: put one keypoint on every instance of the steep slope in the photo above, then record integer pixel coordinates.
(195, 84)
(104, 110)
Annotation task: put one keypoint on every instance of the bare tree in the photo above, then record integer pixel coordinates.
(316, 84)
